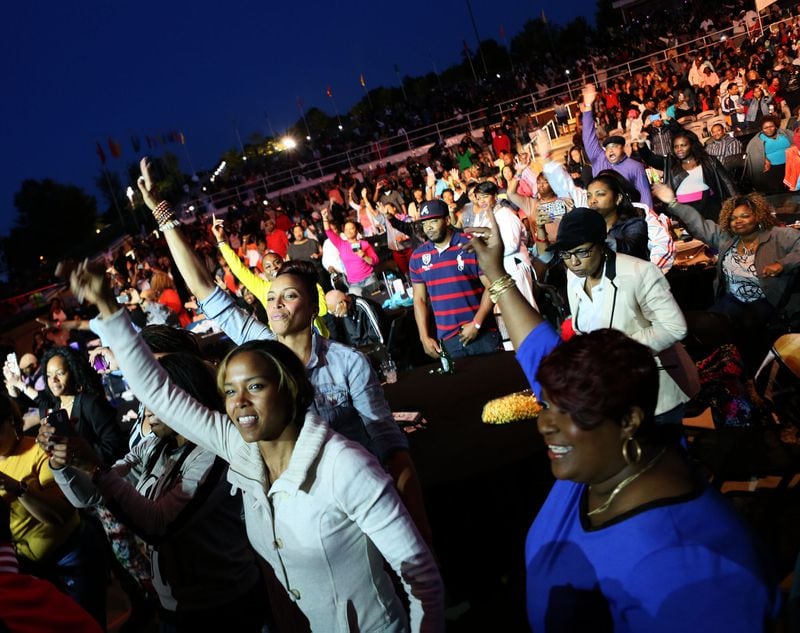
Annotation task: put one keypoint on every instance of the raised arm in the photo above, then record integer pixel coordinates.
(650, 159)
(532, 336)
(707, 231)
(589, 133)
(197, 278)
(148, 380)
(255, 284)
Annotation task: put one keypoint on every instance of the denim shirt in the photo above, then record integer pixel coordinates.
(347, 395)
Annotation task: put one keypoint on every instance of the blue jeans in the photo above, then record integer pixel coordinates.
(358, 287)
(486, 343)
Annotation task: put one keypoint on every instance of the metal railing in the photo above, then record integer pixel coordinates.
(308, 174)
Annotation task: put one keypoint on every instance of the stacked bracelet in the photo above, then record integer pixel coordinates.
(499, 286)
(163, 214)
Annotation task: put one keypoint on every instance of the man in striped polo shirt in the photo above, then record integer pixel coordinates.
(442, 270)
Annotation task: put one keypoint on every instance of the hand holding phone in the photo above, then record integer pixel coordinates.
(62, 427)
(12, 363)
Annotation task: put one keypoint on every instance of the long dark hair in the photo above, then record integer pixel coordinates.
(620, 187)
(698, 151)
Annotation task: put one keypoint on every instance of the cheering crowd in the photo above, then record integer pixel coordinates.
(207, 480)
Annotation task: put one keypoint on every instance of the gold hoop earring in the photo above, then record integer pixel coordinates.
(626, 451)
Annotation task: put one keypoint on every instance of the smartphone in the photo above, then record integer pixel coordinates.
(429, 171)
(59, 420)
(122, 299)
(355, 247)
(11, 360)
(99, 363)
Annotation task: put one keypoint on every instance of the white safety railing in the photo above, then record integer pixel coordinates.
(308, 174)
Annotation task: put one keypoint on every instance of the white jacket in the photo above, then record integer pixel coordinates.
(638, 302)
(325, 525)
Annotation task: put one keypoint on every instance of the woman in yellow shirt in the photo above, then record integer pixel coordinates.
(46, 530)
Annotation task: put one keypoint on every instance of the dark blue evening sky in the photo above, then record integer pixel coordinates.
(79, 72)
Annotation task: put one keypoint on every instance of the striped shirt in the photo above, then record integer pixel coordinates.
(452, 279)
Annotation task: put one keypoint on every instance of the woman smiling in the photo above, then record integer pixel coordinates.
(319, 509)
(629, 538)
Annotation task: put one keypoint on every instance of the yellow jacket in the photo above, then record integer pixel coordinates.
(260, 287)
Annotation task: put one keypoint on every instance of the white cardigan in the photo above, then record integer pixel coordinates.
(325, 525)
(639, 303)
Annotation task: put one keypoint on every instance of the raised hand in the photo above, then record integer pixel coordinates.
(147, 186)
(488, 246)
(218, 229)
(589, 95)
(663, 193)
(89, 283)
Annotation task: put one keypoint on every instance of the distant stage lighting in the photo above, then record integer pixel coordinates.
(288, 142)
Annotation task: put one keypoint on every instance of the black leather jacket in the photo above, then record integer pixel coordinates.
(714, 174)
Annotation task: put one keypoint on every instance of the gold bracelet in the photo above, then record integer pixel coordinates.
(499, 286)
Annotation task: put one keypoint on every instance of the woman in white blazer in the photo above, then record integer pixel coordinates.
(613, 290)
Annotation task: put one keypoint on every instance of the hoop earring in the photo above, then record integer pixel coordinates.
(626, 450)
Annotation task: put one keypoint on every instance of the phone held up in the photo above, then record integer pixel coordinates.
(59, 420)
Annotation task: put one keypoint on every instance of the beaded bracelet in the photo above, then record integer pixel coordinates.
(163, 213)
(499, 286)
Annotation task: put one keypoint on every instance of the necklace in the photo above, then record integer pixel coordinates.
(747, 249)
(625, 483)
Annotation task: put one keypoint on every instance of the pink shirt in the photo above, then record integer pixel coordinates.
(355, 268)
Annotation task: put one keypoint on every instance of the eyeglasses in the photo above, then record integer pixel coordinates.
(581, 253)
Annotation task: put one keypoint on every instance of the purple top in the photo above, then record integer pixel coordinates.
(632, 170)
(355, 268)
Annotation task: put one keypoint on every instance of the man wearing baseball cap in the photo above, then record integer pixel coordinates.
(442, 271)
(612, 154)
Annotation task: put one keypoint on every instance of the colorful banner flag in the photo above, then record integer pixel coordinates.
(181, 138)
(329, 92)
(363, 81)
(114, 148)
(100, 153)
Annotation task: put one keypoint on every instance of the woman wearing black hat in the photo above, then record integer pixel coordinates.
(613, 290)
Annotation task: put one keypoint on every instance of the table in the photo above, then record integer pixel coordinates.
(456, 445)
(483, 484)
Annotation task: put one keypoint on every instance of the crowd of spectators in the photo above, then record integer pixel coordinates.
(293, 453)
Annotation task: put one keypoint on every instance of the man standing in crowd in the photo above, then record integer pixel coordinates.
(660, 133)
(442, 270)
(731, 106)
(612, 155)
